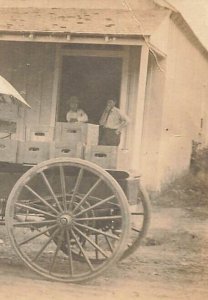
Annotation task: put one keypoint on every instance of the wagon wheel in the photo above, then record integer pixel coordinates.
(68, 202)
(140, 220)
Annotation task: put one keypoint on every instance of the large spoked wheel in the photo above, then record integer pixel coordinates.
(139, 221)
(68, 219)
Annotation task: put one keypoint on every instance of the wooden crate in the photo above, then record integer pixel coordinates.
(60, 149)
(108, 157)
(30, 152)
(77, 132)
(68, 133)
(123, 159)
(39, 133)
(8, 150)
(90, 134)
(104, 156)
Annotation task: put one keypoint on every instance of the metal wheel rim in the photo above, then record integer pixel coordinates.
(143, 228)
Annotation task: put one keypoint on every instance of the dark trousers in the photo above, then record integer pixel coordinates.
(109, 137)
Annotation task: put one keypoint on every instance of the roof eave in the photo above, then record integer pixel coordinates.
(73, 37)
(179, 19)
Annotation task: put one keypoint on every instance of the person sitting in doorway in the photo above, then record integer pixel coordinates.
(75, 114)
(112, 122)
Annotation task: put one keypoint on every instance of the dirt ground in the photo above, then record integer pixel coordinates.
(172, 263)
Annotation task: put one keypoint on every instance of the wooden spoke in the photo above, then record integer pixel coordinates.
(38, 223)
(99, 218)
(135, 229)
(51, 191)
(63, 186)
(94, 244)
(35, 210)
(137, 214)
(83, 251)
(95, 185)
(46, 244)
(97, 231)
(109, 243)
(37, 235)
(77, 185)
(41, 198)
(71, 270)
(95, 205)
(60, 241)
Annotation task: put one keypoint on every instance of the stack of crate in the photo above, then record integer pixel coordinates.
(36, 147)
(71, 139)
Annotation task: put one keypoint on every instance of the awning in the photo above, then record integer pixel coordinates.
(7, 89)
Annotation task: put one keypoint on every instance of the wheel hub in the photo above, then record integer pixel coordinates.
(65, 220)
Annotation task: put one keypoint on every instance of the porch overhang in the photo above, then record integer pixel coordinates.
(72, 38)
(67, 25)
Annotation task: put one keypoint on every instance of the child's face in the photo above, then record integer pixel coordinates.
(73, 106)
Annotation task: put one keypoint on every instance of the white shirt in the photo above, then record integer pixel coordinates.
(78, 115)
(113, 119)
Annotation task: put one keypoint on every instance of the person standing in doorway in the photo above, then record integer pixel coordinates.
(112, 122)
(75, 114)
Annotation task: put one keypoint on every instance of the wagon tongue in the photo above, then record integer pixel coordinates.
(7, 89)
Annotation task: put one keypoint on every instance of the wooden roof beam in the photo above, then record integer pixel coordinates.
(64, 37)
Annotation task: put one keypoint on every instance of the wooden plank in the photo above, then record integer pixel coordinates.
(34, 83)
(92, 53)
(123, 92)
(6, 60)
(47, 84)
(18, 79)
(56, 82)
(139, 109)
(126, 40)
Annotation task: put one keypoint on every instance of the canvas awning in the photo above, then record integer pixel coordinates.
(7, 89)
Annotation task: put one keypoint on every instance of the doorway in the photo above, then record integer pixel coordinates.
(93, 80)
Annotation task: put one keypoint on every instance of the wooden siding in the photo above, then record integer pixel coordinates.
(30, 68)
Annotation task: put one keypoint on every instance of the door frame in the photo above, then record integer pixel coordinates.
(60, 53)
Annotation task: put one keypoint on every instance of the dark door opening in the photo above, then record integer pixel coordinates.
(93, 79)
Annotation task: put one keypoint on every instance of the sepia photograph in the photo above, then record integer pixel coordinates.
(103, 149)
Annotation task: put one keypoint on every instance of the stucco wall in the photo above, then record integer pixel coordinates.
(152, 128)
(185, 103)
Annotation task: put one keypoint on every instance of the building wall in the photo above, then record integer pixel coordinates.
(152, 128)
(30, 68)
(185, 103)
